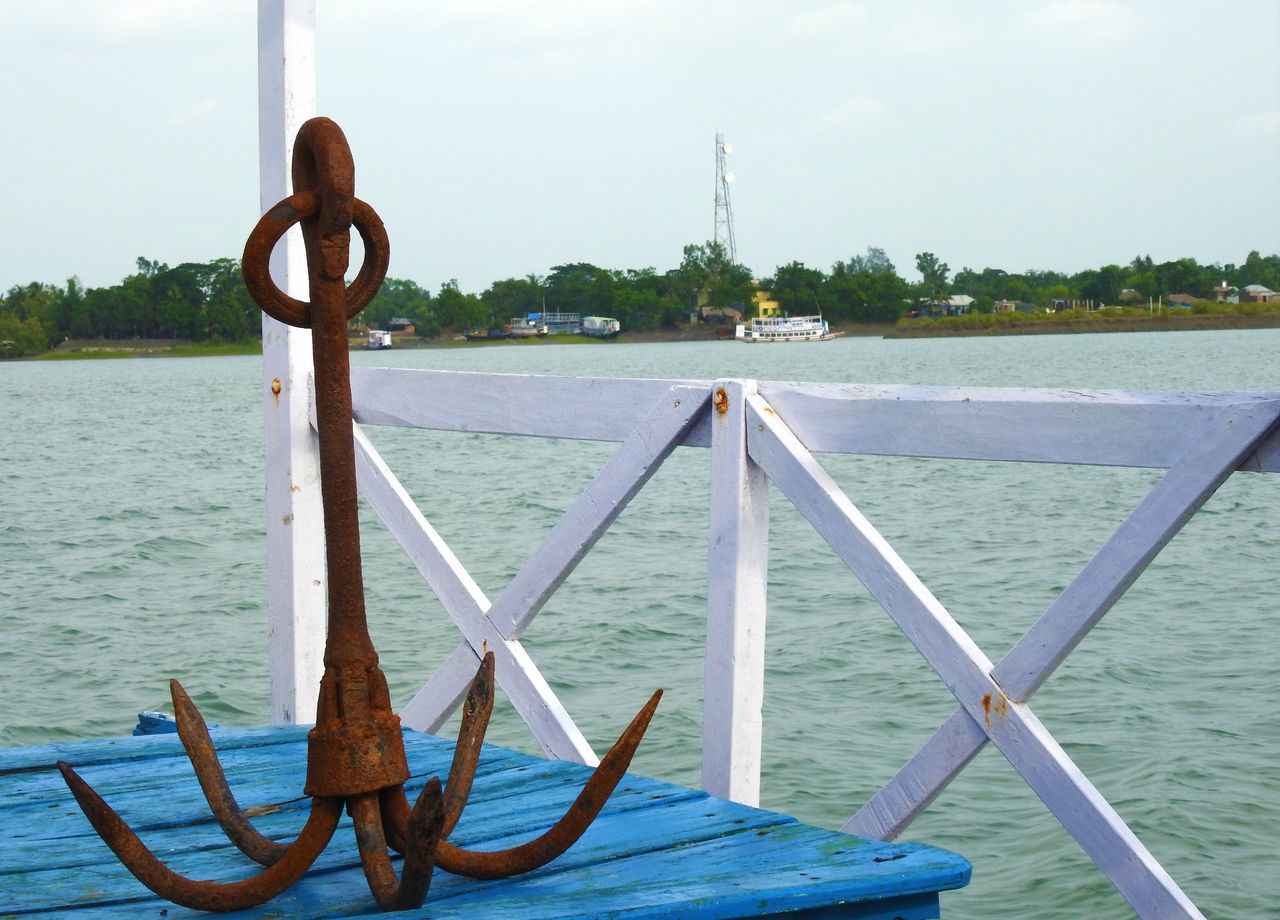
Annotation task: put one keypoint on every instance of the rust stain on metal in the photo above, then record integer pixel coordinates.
(275, 391)
(720, 399)
(999, 705)
(355, 753)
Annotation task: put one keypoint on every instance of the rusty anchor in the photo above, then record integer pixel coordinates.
(355, 753)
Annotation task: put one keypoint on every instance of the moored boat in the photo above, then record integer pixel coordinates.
(601, 327)
(525, 327)
(545, 323)
(785, 329)
(559, 323)
(485, 335)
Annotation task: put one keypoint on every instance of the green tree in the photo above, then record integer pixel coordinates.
(706, 276)
(644, 299)
(22, 336)
(1185, 276)
(27, 315)
(512, 297)
(796, 288)
(933, 273)
(874, 262)
(455, 310)
(181, 301)
(230, 312)
(31, 301)
(1054, 292)
(69, 304)
(395, 299)
(866, 289)
(1103, 286)
(580, 287)
(1258, 269)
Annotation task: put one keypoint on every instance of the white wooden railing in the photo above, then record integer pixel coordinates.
(762, 432)
(757, 433)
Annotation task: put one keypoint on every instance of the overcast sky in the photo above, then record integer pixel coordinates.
(499, 138)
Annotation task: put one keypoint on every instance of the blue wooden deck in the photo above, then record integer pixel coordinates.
(657, 850)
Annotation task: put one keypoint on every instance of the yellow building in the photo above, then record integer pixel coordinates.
(765, 305)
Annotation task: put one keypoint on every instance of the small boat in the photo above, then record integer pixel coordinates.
(485, 335)
(602, 327)
(379, 338)
(524, 327)
(786, 329)
(559, 323)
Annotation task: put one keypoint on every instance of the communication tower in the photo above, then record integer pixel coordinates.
(724, 210)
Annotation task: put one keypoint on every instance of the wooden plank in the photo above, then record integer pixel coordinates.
(18, 760)
(755, 872)
(1097, 427)
(656, 851)
(1101, 427)
(737, 582)
(584, 408)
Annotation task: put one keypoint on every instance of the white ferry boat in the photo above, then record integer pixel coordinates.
(785, 329)
(545, 324)
(523, 327)
(559, 323)
(602, 327)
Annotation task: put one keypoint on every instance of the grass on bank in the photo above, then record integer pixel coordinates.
(111, 349)
(129, 348)
(1201, 315)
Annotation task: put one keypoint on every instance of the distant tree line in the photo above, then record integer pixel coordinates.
(1104, 286)
(208, 302)
(197, 302)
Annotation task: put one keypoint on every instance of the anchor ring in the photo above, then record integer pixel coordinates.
(256, 263)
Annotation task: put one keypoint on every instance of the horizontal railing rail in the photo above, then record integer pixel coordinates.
(761, 432)
(1092, 427)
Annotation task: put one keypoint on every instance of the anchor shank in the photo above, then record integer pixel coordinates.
(356, 746)
(348, 641)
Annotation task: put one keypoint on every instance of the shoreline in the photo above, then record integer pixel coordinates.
(1190, 323)
(91, 349)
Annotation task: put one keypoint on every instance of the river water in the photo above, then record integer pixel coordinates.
(131, 551)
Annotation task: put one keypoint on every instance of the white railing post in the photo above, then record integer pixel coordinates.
(295, 520)
(737, 573)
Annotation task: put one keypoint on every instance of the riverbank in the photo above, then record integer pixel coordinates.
(88, 349)
(969, 325)
(1016, 324)
(696, 332)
